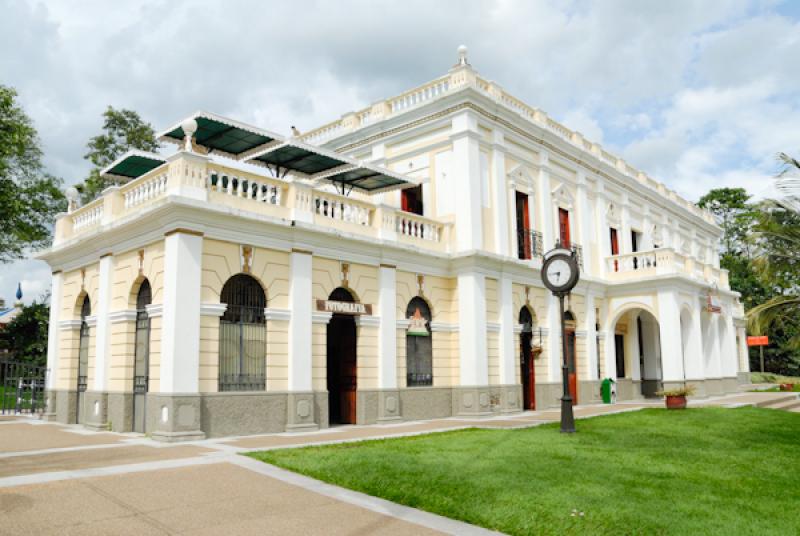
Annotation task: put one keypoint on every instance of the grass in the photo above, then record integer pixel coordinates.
(768, 377)
(698, 471)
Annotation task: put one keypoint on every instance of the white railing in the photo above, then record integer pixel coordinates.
(88, 216)
(248, 187)
(341, 208)
(144, 191)
(630, 262)
(417, 227)
(324, 133)
(419, 95)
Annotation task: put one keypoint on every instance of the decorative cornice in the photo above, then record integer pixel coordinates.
(303, 251)
(117, 317)
(494, 327)
(91, 321)
(368, 321)
(69, 324)
(277, 314)
(213, 309)
(320, 317)
(403, 323)
(155, 310)
(183, 231)
(444, 327)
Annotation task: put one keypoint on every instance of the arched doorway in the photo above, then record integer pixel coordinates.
(141, 362)
(526, 359)
(342, 365)
(572, 367)
(83, 358)
(637, 345)
(243, 336)
(419, 346)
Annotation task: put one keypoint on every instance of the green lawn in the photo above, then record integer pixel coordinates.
(768, 377)
(698, 471)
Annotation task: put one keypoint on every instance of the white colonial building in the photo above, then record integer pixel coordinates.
(385, 266)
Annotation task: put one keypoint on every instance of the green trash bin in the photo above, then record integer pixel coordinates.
(606, 389)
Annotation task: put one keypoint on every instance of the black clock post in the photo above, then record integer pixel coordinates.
(560, 274)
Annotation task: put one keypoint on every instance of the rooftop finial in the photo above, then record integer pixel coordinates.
(19, 292)
(189, 127)
(462, 55)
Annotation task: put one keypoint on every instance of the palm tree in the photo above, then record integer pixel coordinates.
(777, 238)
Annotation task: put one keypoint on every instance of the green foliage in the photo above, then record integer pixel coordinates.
(123, 130)
(25, 337)
(29, 197)
(698, 471)
(735, 215)
(687, 390)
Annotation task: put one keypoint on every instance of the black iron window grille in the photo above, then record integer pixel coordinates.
(141, 378)
(529, 244)
(243, 336)
(419, 347)
(575, 248)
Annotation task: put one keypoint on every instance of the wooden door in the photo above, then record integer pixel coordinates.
(615, 247)
(527, 372)
(572, 365)
(342, 369)
(523, 227)
(563, 227)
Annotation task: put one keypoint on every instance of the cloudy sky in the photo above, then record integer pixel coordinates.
(699, 94)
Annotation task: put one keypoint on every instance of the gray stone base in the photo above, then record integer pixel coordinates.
(548, 395)
(743, 377)
(246, 413)
(422, 403)
(508, 398)
(95, 410)
(389, 409)
(714, 386)
(472, 401)
(589, 392)
(321, 408)
(51, 401)
(66, 406)
(699, 387)
(120, 412)
(300, 412)
(177, 417)
(649, 388)
(730, 385)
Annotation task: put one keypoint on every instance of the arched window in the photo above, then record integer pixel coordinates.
(83, 349)
(526, 320)
(242, 336)
(419, 349)
(141, 362)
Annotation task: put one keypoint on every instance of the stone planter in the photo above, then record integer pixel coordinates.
(676, 402)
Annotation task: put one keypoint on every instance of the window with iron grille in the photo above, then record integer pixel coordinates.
(243, 336)
(142, 349)
(83, 348)
(419, 347)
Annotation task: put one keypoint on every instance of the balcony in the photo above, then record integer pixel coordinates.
(223, 186)
(663, 262)
(529, 244)
(576, 249)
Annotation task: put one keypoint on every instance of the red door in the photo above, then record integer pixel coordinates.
(523, 227)
(563, 227)
(614, 247)
(571, 365)
(342, 369)
(527, 372)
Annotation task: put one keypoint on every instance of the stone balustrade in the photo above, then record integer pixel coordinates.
(245, 185)
(339, 207)
(414, 226)
(144, 189)
(662, 261)
(87, 216)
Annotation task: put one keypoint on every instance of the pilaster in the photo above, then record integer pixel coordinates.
(467, 170)
(591, 338)
(301, 400)
(545, 202)
(474, 366)
(508, 351)
(501, 237)
(669, 324)
(103, 333)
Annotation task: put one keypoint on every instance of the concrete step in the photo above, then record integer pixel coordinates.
(776, 399)
(786, 404)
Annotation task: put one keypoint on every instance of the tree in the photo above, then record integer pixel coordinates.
(29, 197)
(735, 215)
(123, 130)
(25, 337)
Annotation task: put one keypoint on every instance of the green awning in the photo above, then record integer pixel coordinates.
(368, 179)
(133, 164)
(220, 135)
(297, 158)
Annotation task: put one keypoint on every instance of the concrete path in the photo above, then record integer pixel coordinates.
(57, 479)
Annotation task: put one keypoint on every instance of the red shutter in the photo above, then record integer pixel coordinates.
(563, 224)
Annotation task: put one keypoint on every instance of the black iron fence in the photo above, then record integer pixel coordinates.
(21, 387)
(529, 244)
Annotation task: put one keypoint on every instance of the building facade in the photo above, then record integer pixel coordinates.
(383, 267)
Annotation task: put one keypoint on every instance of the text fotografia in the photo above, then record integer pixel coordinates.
(345, 308)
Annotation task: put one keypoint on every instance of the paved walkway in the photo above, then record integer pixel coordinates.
(57, 479)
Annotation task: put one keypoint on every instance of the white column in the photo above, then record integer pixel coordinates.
(626, 245)
(102, 360)
(466, 167)
(546, 203)
(501, 236)
(584, 225)
(508, 353)
(632, 349)
(53, 329)
(554, 349)
(603, 234)
(670, 333)
(300, 304)
(647, 232)
(730, 358)
(180, 326)
(744, 354)
(591, 338)
(610, 351)
(387, 331)
(511, 218)
(474, 366)
(693, 358)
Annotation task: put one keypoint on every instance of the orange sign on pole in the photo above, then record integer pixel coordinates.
(761, 340)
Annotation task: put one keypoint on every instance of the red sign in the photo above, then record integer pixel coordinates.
(761, 340)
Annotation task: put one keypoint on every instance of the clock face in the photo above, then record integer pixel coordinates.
(560, 273)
